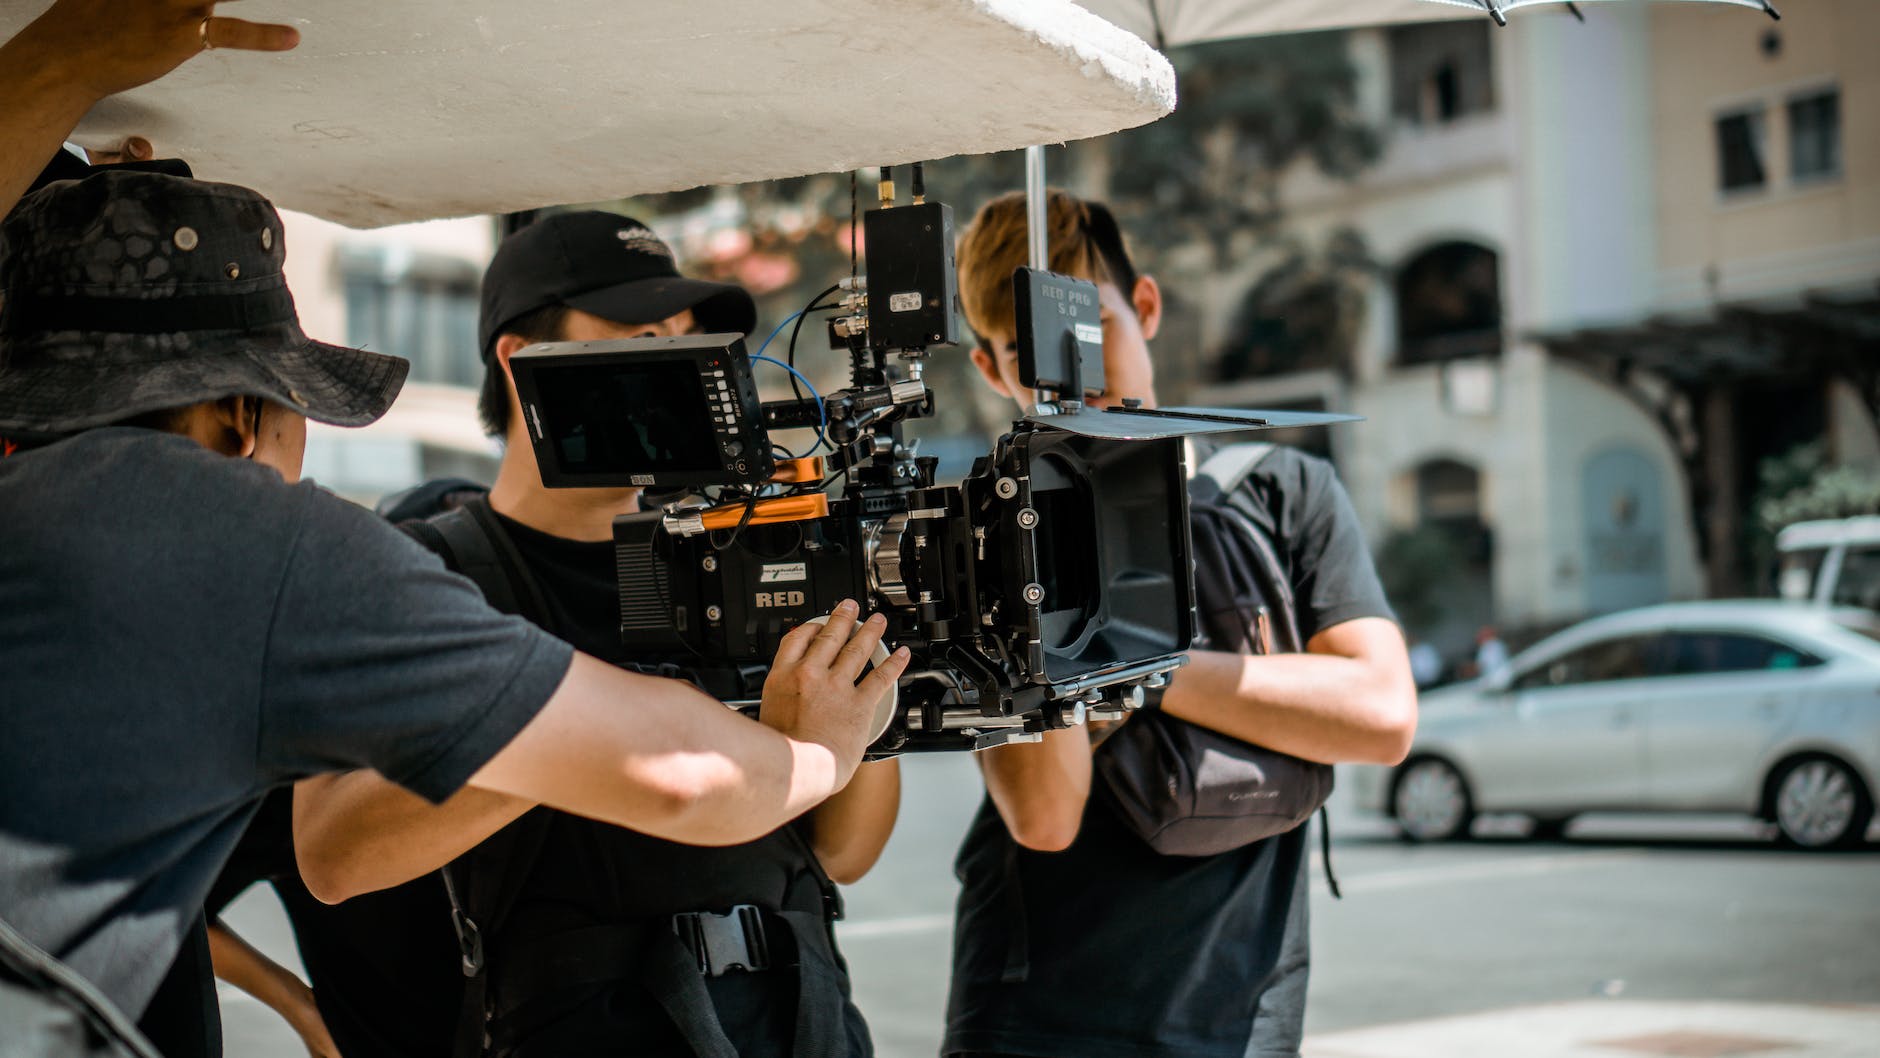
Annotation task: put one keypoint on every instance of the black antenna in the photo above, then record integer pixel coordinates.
(1771, 8)
(1494, 12)
(919, 183)
(1574, 10)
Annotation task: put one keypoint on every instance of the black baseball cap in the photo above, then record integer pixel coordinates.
(606, 264)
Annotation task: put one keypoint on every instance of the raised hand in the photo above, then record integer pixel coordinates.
(108, 46)
(81, 51)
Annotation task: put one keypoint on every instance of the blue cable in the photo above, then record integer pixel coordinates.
(822, 410)
(773, 335)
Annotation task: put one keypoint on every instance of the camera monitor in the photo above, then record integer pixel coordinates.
(660, 412)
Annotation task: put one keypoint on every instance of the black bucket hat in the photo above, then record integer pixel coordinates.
(606, 264)
(131, 292)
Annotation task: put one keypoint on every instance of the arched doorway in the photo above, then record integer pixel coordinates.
(1449, 304)
(1623, 507)
(1439, 573)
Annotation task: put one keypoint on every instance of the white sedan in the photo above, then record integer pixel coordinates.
(1767, 708)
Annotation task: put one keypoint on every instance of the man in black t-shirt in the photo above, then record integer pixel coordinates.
(184, 626)
(1074, 938)
(564, 881)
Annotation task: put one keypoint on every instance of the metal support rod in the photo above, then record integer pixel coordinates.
(1035, 208)
(1035, 232)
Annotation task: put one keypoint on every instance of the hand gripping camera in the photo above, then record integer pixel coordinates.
(1051, 584)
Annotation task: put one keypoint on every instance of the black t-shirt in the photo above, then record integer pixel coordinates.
(588, 873)
(181, 631)
(384, 966)
(1188, 957)
(578, 585)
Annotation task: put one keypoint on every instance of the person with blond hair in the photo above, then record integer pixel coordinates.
(1074, 937)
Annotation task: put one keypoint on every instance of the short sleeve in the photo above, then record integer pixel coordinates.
(379, 657)
(1334, 579)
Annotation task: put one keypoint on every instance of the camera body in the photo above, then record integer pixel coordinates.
(1022, 598)
(1050, 585)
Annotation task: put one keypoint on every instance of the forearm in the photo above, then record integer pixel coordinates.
(238, 963)
(1040, 788)
(358, 832)
(1320, 706)
(45, 102)
(851, 828)
(662, 758)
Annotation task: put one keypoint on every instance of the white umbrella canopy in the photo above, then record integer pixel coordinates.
(1498, 9)
(432, 108)
(1168, 23)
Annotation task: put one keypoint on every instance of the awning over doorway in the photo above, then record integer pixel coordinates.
(1734, 386)
(1836, 331)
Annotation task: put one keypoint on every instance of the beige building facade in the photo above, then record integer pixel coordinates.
(1599, 246)
(409, 290)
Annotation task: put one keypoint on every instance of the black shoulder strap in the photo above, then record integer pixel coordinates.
(1227, 470)
(472, 542)
(831, 895)
(1278, 586)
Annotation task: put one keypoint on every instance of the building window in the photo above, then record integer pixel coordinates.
(1815, 136)
(1440, 72)
(422, 308)
(1449, 304)
(1288, 323)
(1741, 142)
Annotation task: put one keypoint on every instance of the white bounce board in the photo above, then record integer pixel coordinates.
(398, 110)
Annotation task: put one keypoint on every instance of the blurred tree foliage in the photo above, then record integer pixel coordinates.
(1250, 110)
(1212, 175)
(1303, 315)
(1413, 564)
(1800, 485)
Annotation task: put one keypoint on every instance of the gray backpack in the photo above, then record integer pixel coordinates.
(47, 1011)
(1188, 790)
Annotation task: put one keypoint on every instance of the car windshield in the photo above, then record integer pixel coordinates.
(1796, 572)
(1859, 581)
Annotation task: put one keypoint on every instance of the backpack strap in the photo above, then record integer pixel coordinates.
(1277, 584)
(829, 894)
(42, 993)
(472, 542)
(1228, 469)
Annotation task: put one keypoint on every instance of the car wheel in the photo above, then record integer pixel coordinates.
(1549, 828)
(1820, 804)
(1431, 802)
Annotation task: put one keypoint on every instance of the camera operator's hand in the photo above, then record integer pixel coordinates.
(133, 149)
(812, 694)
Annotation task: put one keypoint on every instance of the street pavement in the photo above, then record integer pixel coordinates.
(1641, 935)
